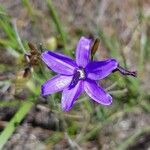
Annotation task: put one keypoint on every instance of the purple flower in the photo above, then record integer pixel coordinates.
(75, 77)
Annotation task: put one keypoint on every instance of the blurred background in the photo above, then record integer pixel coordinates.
(29, 121)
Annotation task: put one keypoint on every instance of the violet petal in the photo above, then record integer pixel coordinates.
(59, 63)
(83, 52)
(97, 93)
(55, 84)
(70, 95)
(100, 69)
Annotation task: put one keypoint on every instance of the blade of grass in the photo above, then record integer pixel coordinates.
(6, 43)
(57, 22)
(10, 128)
(10, 103)
(7, 28)
(27, 4)
(18, 37)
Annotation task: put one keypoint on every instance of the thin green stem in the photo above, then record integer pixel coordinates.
(18, 37)
(57, 21)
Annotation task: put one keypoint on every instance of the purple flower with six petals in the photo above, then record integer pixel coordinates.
(74, 77)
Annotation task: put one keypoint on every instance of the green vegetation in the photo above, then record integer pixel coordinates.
(85, 121)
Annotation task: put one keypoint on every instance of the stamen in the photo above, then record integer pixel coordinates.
(82, 73)
(125, 71)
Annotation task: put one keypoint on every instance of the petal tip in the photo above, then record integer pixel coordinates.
(65, 109)
(115, 62)
(43, 90)
(84, 38)
(109, 100)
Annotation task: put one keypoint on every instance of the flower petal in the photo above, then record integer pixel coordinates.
(55, 84)
(100, 69)
(70, 95)
(83, 52)
(58, 62)
(97, 93)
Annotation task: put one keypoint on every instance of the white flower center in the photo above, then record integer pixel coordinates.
(82, 73)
